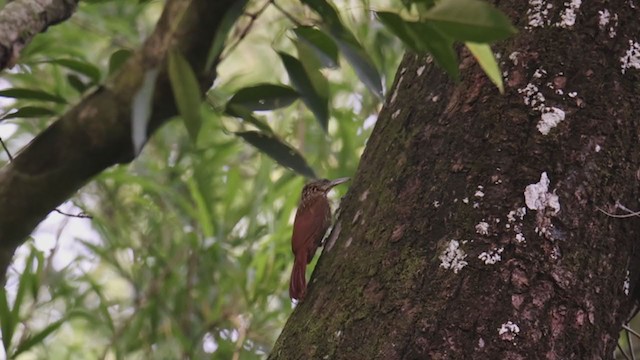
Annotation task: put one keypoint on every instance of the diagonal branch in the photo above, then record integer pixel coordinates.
(96, 133)
(21, 20)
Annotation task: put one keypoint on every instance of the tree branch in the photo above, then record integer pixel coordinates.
(21, 20)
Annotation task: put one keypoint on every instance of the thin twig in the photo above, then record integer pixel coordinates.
(287, 14)
(632, 214)
(79, 216)
(252, 19)
(630, 346)
(629, 329)
(622, 352)
(6, 150)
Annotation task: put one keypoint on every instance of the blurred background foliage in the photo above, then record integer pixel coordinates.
(187, 253)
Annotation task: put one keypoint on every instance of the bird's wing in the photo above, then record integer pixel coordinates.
(309, 226)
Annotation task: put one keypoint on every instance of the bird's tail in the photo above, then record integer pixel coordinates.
(298, 282)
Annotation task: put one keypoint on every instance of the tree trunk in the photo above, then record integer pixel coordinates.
(472, 228)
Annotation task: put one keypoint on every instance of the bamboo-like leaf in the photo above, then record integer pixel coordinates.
(117, 59)
(323, 47)
(141, 110)
(29, 112)
(186, 91)
(31, 94)
(36, 339)
(246, 115)
(488, 63)
(77, 83)
(82, 67)
(349, 46)
(360, 61)
(279, 151)
(8, 323)
(313, 97)
(423, 37)
(263, 97)
(227, 23)
(470, 20)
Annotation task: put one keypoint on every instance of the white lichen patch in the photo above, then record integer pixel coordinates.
(604, 18)
(568, 15)
(491, 257)
(479, 194)
(514, 57)
(395, 92)
(532, 97)
(395, 114)
(608, 22)
(508, 331)
(631, 59)
(539, 73)
(465, 200)
(482, 228)
(537, 196)
(520, 239)
(520, 212)
(436, 204)
(453, 257)
(538, 14)
(421, 70)
(572, 94)
(625, 285)
(551, 117)
(598, 148)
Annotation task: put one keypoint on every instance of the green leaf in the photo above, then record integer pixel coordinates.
(323, 47)
(440, 46)
(77, 83)
(29, 112)
(227, 23)
(117, 59)
(470, 20)
(246, 115)
(82, 67)
(349, 46)
(186, 91)
(8, 323)
(360, 61)
(486, 59)
(423, 37)
(26, 278)
(279, 151)
(30, 94)
(264, 97)
(36, 339)
(327, 12)
(313, 97)
(399, 27)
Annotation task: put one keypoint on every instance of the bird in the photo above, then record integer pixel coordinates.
(312, 220)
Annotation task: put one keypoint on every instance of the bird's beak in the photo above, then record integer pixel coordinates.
(338, 181)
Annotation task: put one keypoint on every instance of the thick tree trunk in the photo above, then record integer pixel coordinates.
(472, 227)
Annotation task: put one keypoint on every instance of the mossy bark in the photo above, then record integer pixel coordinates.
(451, 161)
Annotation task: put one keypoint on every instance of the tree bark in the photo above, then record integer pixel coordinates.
(452, 244)
(21, 20)
(96, 133)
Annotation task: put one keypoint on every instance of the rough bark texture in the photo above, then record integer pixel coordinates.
(96, 133)
(21, 20)
(451, 162)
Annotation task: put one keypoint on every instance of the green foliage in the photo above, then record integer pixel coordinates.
(186, 92)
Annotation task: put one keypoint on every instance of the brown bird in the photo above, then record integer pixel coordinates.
(312, 221)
